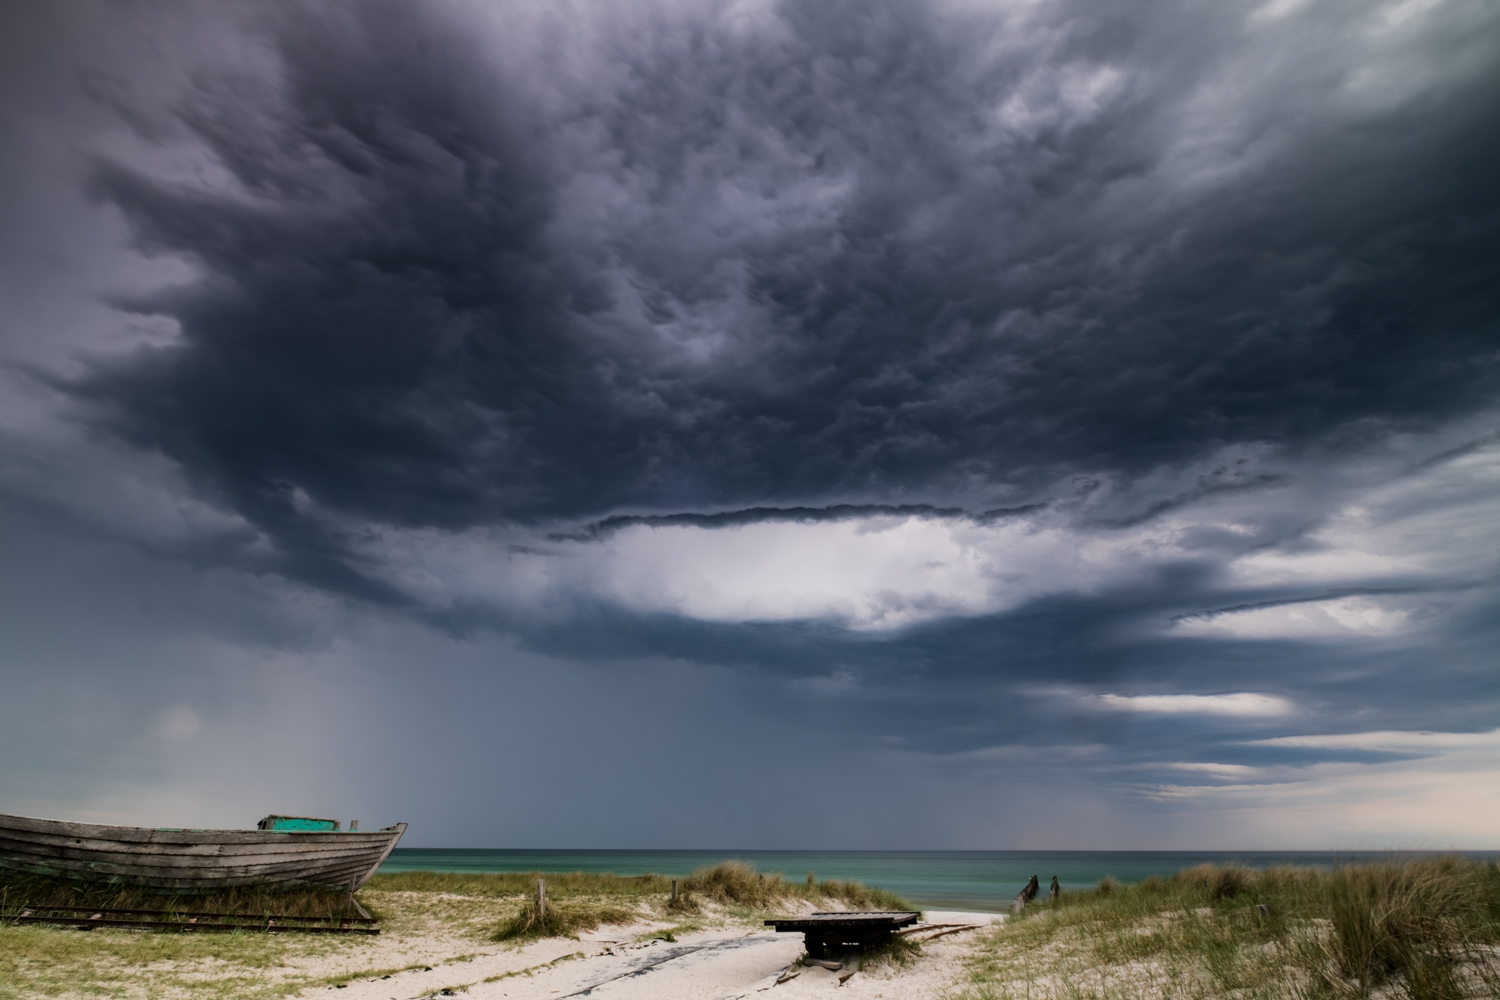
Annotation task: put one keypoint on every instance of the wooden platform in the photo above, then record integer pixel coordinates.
(836, 932)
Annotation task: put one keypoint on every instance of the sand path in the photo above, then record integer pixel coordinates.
(720, 964)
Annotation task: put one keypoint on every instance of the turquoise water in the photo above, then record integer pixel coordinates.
(969, 880)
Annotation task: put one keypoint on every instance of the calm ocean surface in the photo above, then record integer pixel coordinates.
(971, 880)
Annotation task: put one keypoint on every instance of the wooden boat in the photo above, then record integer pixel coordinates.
(287, 850)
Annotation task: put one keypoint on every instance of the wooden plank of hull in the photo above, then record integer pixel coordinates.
(187, 865)
(372, 840)
(182, 859)
(305, 871)
(162, 855)
(336, 879)
(285, 868)
(332, 873)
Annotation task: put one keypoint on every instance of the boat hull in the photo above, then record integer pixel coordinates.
(187, 860)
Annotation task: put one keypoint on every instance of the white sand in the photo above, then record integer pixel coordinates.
(714, 964)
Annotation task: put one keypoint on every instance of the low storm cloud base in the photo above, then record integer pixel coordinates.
(999, 403)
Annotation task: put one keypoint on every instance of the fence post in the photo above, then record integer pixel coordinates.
(541, 899)
(674, 890)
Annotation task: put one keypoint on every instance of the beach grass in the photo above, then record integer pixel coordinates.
(1425, 929)
(39, 961)
(556, 919)
(727, 882)
(470, 911)
(560, 885)
(19, 889)
(737, 882)
(583, 901)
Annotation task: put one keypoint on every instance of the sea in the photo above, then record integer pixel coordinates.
(956, 880)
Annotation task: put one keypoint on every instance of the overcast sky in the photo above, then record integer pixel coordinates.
(804, 424)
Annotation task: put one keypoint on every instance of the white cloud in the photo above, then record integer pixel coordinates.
(1395, 741)
(875, 573)
(1245, 704)
(1449, 796)
(1387, 528)
(1217, 770)
(1342, 618)
(1437, 522)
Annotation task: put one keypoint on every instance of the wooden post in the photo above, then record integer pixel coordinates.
(541, 899)
(355, 903)
(674, 890)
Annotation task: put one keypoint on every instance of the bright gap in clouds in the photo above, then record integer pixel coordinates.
(1342, 618)
(1393, 741)
(1241, 703)
(1418, 538)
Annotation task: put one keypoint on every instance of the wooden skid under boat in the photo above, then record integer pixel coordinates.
(194, 859)
(86, 918)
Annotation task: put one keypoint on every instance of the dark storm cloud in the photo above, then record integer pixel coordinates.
(811, 260)
(797, 515)
(1108, 301)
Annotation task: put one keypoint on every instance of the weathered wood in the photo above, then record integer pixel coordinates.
(111, 911)
(225, 842)
(846, 918)
(831, 932)
(172, 855)
(194, 859)
(166, 835)
(181, 925)
(541, 899)
(951, 930)
(169, 867)
(924, 928)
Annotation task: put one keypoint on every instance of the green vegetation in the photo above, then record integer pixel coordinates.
(581, 902)
(560, 920)
(560, 885)
(51, 961)
(467, 910)
(736, 882)
(1427, 930)
(897, 951)
(730, 882)
(19, 890)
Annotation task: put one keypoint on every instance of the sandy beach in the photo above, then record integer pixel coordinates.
(619, 963)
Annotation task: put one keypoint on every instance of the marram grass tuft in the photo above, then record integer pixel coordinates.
(1424, 929)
